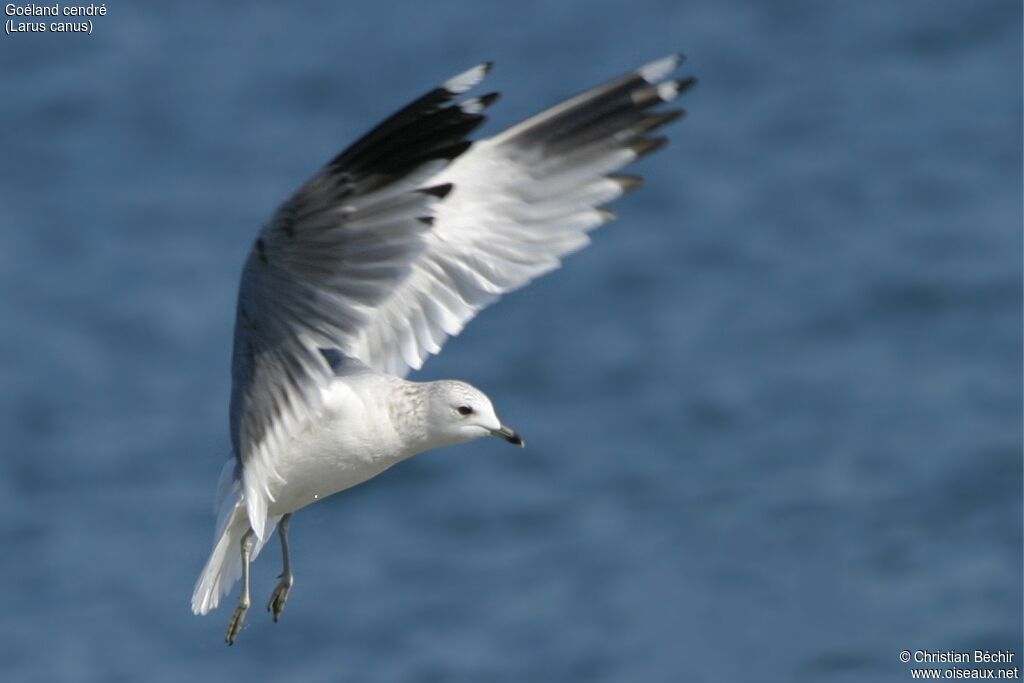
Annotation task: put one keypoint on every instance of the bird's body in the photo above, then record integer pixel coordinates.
(363, 428)
(368, 421)
(372, 265)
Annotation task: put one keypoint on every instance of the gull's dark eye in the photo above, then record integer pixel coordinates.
(465, 410)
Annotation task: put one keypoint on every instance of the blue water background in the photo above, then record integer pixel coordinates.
(773, 414)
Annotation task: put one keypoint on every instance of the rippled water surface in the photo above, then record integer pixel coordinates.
(773, 414)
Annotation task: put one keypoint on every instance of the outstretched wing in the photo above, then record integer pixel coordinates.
(329, 257)
(520, 202)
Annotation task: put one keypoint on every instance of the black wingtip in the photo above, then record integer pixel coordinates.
(657, 120)
(672, 115)
(457, 149)
(647, 145)
(439, 191)
(627, 182)
(684, 84)
(490, 98)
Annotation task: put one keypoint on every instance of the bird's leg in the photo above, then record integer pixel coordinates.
(235, 625)
(280, 595)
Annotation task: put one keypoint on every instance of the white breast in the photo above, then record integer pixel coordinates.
(353, 439)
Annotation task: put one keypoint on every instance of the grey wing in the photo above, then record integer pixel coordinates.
(331, 253)
(521, 202)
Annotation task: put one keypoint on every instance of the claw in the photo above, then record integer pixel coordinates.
(280, 596)
(235, 624)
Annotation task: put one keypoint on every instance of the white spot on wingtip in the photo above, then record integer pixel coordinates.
(668, 91)
(659, 69)
(473, 106)
(467, 79)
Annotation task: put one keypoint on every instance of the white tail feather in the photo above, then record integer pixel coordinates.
(224, 566)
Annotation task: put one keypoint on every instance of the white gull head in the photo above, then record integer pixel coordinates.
(456, 412)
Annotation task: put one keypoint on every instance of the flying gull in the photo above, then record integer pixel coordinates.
(370, 266)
